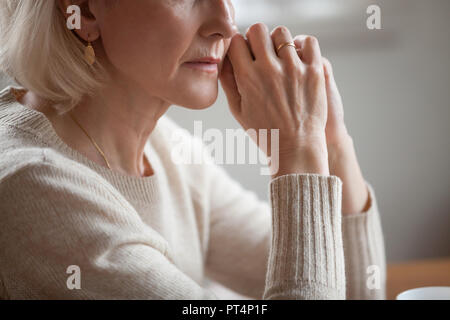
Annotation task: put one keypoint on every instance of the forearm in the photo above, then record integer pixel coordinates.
(362, 234)
(344, 164)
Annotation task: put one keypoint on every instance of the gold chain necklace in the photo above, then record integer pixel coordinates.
(20, 93)
(92, 140)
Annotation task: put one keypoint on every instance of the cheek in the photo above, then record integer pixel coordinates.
(146, 42)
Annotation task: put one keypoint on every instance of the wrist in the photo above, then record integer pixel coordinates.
(338, 138)
(343, 163)
(307, 156)
(339, 150)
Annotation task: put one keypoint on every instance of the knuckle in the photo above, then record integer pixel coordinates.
(315, 70)
(256, 28)
(311, 40)
(299, 72)
(280, 30)
(272, 68)
(293, 71)
(234, 41)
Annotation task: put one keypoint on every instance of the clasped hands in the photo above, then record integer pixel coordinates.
(294, 91)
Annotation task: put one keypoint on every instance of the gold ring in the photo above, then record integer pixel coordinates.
(281, 46)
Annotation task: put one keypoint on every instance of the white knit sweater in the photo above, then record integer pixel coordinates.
(159, 237)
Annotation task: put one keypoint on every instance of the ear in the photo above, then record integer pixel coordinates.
(89, 26)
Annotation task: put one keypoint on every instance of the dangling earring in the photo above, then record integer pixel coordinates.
(89, 53)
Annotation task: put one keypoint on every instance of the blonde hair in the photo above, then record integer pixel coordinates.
(41, 54)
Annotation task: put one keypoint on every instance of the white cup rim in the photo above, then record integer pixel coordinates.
(406, 292)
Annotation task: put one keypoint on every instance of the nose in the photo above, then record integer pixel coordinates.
(220, 21)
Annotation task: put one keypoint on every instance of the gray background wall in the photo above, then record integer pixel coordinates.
(395, 86)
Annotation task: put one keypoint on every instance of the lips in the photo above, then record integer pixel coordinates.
(206, 64)
(210, 60)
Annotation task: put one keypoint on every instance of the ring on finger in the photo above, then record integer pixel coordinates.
(281, 46)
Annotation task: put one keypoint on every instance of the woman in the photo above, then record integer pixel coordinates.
(92, 205)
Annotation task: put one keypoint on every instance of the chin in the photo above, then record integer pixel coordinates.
(199, 100)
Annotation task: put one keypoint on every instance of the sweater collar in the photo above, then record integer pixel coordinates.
(135, 189)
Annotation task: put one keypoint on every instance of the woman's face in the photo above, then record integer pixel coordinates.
(150, 42)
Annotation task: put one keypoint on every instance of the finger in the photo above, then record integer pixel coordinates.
(230, 87)
(288, 54)
(260, 42)
(327, 68)
(310, 49)
(326, 71)
(329, 78)
(333, 96)
(239, 53)
(298, 48)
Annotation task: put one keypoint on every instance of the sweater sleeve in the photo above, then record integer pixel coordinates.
(365, 259)
(290, 248)
(312, 242)
(52, 218)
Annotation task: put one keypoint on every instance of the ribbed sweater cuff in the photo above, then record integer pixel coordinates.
(364, 252)
(306, 259)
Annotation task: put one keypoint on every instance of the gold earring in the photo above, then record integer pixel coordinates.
(89, 53)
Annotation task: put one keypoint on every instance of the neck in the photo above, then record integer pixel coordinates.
(119, 118)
